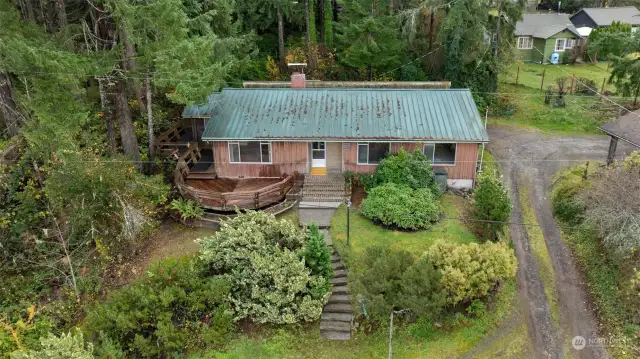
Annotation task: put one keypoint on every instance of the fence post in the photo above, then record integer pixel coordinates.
(573, 79)
(518, 74)
(542, 81)
(602, 88)
(256, 200)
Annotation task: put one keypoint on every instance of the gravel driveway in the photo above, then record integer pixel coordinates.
(531, 157)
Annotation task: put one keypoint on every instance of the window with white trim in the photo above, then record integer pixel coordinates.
(525, 42)
(568, 43)
(560, 44)
(371, 153)
(443, 154)
(250, 152)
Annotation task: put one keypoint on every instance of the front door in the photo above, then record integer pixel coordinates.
(318, 154)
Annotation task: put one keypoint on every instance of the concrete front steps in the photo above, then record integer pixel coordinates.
(337, 314)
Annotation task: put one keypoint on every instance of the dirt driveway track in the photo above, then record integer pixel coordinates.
(532, 158)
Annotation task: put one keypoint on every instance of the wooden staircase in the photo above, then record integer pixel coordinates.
(337, 314)
(329, 188)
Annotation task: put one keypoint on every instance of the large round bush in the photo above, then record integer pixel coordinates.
(401, 206)
(470, 271)
(265, 261)
(407, 168)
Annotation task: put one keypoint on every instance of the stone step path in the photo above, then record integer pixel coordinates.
(337, 314)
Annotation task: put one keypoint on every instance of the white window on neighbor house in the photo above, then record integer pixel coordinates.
(371, 153)
(568, 43)
(440, 154)
(250, 152)
(525, 42)
(560, 44)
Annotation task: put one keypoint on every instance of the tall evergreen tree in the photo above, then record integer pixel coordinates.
(369, 37)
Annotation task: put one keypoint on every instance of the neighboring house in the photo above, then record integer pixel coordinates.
(588, 19)
(270, 132)
(540, 35)
(625, 128)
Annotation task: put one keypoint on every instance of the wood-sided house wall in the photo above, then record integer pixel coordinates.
(288, 157)
(464, 168)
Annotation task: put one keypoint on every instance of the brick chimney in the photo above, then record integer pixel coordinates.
(298, 80)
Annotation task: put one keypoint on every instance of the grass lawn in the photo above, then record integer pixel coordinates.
(364, 233)
(531, 74)
(580, 116)
(418, 340)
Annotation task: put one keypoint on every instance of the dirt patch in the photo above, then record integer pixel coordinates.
(357, 195)
(171, 240)
(536, 158)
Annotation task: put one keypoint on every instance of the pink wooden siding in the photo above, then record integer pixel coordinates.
(286, 158)
(465, 167)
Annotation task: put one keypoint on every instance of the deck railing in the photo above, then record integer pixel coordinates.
(169, 140)
(244, 200)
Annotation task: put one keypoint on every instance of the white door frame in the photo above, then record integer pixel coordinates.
(320, 151)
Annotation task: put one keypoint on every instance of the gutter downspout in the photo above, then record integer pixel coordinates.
(486, 116)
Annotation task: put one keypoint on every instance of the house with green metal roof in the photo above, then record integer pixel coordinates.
(538, 36)
(271, 132)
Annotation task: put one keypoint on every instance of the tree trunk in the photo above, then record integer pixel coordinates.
(129, 54)
(307, 22)
(496, 47)
(320, 20)
(108, 117)
(127, 131)
(8, 106)
(371, 69)
(334, 18)
(432, 18)
(150, 124)
(281, 52)
(56, 15)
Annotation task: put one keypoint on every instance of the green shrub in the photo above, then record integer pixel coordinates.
(401, 206)
(492, 207)
(67, 346)
(393, 280)
(366, 180)
(173, 309)
(263, 259)
(187, 209)
(567, 205)
(349, 178)
(412, 169)
(422, 290)
(317, 255)
(470, 271)
(380, 285)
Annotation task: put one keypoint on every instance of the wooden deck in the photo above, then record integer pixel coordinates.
(227, 194)
(196, 179)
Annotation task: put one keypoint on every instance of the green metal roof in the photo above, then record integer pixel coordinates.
(205, 110)
(346, 114)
